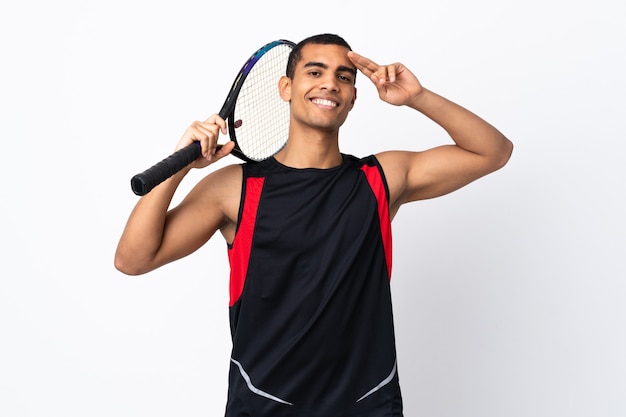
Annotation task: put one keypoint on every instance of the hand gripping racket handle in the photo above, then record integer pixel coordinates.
(153, 176)
(143, 183)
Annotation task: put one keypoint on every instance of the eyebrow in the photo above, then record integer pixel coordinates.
(341, 68)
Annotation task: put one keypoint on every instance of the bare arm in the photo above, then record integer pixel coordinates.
(155, 235)
(479, 147)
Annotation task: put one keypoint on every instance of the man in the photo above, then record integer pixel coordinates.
(309, 236)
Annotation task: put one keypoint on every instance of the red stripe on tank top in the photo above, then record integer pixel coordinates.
(377, 185)
(239, 252)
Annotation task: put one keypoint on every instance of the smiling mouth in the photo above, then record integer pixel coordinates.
(324, 102)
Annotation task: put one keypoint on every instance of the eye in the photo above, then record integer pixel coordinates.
(345, 78)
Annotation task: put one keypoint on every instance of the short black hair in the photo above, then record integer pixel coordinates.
(323, 39)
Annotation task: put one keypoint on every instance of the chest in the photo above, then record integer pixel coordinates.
(305, 211)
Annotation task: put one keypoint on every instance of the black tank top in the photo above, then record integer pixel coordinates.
(310, 308)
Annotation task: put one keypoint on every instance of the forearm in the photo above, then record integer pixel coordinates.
(143, 234)
(466, 129)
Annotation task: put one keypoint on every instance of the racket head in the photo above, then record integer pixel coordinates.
(257, 117)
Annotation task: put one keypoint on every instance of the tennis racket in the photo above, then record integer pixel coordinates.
(256, 116)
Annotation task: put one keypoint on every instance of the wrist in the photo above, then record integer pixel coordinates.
(420, 100)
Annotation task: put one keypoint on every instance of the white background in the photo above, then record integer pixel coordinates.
(508, 294)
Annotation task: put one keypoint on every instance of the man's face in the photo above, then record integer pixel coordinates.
(322, 91)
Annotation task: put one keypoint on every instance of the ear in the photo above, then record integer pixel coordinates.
(284, 88)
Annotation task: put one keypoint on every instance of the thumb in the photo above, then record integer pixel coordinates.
(224, 149)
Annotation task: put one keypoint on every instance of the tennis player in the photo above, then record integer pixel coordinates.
(309, 235)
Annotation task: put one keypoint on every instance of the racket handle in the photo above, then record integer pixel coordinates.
(143, 183)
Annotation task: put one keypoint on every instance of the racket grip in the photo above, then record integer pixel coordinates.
(144, 182)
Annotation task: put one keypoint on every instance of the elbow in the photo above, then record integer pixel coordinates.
(503, 155)
(508, 151)
(125, 265)
(125, 269)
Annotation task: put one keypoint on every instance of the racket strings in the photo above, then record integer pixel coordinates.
(261, 115)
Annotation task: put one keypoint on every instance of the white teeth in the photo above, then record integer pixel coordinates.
(325, 102)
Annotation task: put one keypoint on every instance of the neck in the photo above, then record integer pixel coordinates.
(313, 149)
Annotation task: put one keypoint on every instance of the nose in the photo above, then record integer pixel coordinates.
(329, 82)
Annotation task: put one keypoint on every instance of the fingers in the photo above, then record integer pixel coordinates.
(216, 119)
(206, 133)
(365, 65)
(379, 74)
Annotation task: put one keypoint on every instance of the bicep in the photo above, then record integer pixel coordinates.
(413, 176)
(206, 209)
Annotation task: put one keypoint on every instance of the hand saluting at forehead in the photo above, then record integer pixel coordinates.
(395, 83)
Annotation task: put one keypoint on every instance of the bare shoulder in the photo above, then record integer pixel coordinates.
(213, 203)
(396, 165)
(221, 190)
(420, 175)
(229, 175)
(434, 172)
